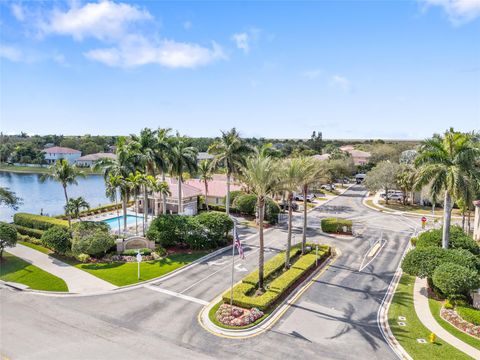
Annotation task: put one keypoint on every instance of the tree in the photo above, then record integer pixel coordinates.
(230, 152)
(65, 174)
(57, 238)
(183, 159)
(160, 187)
(74, 207)
(112, 184)
(135, 181)
(162, 156)
(260, 175)
(8, 198)
(406, 181)
(92, 238)
(383, 176)
(446, 163)
(316, 142)
(205, 173)
(453, 279)
(339, 168)
(8, 236)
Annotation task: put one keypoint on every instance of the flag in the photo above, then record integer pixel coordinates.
(237, 243)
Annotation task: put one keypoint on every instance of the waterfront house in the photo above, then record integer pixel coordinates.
(90, 159)
(217, 189)
(52, 154)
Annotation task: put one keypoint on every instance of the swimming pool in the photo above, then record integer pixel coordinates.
(113, 222)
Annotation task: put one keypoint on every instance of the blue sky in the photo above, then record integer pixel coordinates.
(351, 69)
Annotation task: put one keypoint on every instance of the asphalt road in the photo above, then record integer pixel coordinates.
(334, 319)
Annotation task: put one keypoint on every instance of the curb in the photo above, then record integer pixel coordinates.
(269, 321)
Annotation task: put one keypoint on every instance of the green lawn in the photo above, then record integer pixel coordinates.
(16, 270)
(37, 169)
(121, 274)
(417, 209)
(435, 307)
(36, 247)
(402, 305)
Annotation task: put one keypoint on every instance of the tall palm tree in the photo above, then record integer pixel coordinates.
(145, 181)
(260, 174)
(205, 172)
(75, 206)
(406, 181)
(183, 159)
(230, 152)
(65, 174)
(112, 184)
(291, 175)
(162, 156)
(447, 164)
(160, 187)
(134, 180)
(123, 165)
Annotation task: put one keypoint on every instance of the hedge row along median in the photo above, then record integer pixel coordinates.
(337, 225)
(38, 222)
(29, 231)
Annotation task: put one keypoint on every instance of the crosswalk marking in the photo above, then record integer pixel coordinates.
(178, 295)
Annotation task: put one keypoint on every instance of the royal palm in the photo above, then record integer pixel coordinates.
(205, 175)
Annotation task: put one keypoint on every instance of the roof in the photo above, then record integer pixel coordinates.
(187, 190)
(359, 153)
(61, 150)
(204, 156)
(322, 157)
(216, 188)
(97, 156)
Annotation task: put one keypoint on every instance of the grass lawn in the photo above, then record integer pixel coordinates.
(427, 210)
(121, 274)
(16, 270)
(37, 169)
(369, 202)
(402, 305)
(435, 307)
(36, 247)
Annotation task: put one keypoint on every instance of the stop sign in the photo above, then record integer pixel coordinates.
(424, 219)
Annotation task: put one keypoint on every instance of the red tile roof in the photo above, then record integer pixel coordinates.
(61, 150)
(216, 188)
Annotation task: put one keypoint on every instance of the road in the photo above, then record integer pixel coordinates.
(336, 318)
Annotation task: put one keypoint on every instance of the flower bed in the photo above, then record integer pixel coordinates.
(453, 318)
(236, 316)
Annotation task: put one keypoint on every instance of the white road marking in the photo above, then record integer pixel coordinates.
(178, 295)
(216, 263)
(241, 268)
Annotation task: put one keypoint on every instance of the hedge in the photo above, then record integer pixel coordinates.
(133, 252)
(336, 225)
(469, 314)
(38, 222)
(458, 240)
(453, 279)
(29, 231)
(98, 210)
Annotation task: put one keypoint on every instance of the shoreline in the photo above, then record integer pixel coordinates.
(36, 170)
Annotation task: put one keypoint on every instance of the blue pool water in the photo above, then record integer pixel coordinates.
(113, 222)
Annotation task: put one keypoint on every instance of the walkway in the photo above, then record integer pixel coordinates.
(422, 308)
(78, 281)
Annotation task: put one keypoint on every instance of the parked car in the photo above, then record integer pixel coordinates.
(299, 197)
(329, 187)
(284, 205)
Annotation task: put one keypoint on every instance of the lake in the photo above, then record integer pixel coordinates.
(48, 197)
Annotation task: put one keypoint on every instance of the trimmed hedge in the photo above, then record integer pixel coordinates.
(38, 222)
(58, 239)
(453, 279)
(29, 231)
(469, 314)
(133, 252)
(336, 225)
(458, 240)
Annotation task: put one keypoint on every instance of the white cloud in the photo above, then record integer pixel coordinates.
(242, 40)
(187, 25)
(18, 13)
(312, 74)
(341, 82)
(103, 20)
(11, 53)
(136, 51)
(458, 11)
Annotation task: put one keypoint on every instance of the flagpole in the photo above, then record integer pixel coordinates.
(233, 270)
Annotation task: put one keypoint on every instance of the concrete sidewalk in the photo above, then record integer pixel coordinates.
(78, 281)
(422, 309)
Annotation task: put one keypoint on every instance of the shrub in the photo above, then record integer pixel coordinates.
(413, 241)
(83, 258)
(37, 221)
(91, 238)
(336, 225)
(423, 262)
(160, 250)
(454, 279)
(29, 239)
(8, 236)
(58, 239)
(133, 252)
(29, 231)
(469, 314)
(271, 211)
(448, 305)
(458, 240)
(216, 224)
(233, 196)
(196, 236)
(246, 204)
(168, 230)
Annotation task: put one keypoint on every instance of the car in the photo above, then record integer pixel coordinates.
(284, 205)
(329, 187)
(299, 197)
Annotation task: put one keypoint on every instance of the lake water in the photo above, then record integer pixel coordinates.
(48, 196)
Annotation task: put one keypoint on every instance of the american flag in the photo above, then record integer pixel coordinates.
(237, 243)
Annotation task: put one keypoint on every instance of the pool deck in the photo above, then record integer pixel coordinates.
(113, 214)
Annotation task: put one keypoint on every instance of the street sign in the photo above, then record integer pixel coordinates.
(139, 260)
(424, 219)
(139, 257)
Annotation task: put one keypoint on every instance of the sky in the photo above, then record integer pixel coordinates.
(350, 69)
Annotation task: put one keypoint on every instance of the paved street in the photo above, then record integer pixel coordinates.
(335, 318)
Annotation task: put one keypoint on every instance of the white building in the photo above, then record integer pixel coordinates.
(91, 159)
(55, 153)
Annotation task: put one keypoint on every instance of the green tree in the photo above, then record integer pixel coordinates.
(8, 236)
(230, 152)
(383, 176)
(135, 181)
(75, 205)
(112, 184)
(447, 164)
(453, 279)
(162, 155)
(57, 238)
(8, 198)
(65, 174)
(205, 173)
(406, 179)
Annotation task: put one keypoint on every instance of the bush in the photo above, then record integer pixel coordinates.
(133, 252)
(29, 232)
(271, 211)
(84, 258)
(92, 238)
(29, 239)
(336, 225)
(246, 204)
(469, 314)
(458, 240)
(58, 239)
(216, 224)
(453, 279)
(233, 195)
(8, 236)
(413, 241)
(37, 221)
(168, 230)
(448, 305)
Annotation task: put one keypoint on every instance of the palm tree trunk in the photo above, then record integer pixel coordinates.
(164, 197)
(227, 205)
(468, 222)
(66, 204)
(118, 214)
(136, 211)
(304, 233)
(145, 207)
(261, 205)
(463, 220)
(206, 194)
(447, 213)
(289, 236)
(180, 198)
(124, 209)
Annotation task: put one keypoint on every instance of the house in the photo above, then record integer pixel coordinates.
(204, 156)
(91, 159)
(190, 196)
(52, 154)
(217, 189)
(359, 157)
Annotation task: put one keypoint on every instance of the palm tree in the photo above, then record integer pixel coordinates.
(446, 164)
(230, 152)
(9, 198)
(112, 184)
(406, 181)
(183, 159)
(134, 180)
(260, 174)
(291, 175)
(160, 187)
(75, 206)
(205, 172)
(145, 181)
(162, 155)
(65, 174)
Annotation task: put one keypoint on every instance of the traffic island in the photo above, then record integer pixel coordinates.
(254, 311)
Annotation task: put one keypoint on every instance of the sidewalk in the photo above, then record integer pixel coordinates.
(422, 309)
(78, 281)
